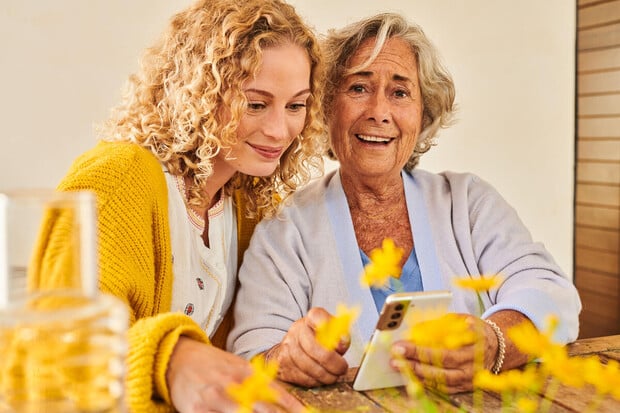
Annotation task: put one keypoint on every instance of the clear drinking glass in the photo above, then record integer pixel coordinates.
(62, 342)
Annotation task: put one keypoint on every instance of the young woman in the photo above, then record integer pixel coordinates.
(221, 122)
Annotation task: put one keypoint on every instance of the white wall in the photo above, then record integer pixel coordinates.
(63, 63)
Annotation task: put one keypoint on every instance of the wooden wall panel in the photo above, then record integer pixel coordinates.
(598, 149)
(598, 60)
(599, 37)
(597, 178)
(604, 13)
(596, 238)
(602, 172)
(598, 194)
(601, 261)
(599, 105)
(599, 82)
(598, 283)
(602, 127)
(597, 216)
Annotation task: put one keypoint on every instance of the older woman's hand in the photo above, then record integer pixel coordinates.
(452, 371)
(302, 359)
(198, 375)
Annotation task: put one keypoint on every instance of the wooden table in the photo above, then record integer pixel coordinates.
(340, 397)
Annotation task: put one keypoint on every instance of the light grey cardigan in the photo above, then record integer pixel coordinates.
(308, 257)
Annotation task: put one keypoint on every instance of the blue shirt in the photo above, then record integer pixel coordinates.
(410, 280)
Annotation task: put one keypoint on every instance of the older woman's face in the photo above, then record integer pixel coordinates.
(377, 112)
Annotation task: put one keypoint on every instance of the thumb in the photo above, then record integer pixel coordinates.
(343, 344)
(317, 316)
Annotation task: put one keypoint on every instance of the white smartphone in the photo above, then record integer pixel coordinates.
(399, 312)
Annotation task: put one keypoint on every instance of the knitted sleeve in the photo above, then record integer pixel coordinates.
(135, 260)
(152, 341)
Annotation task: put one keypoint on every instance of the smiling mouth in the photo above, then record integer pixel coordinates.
(267, 152)
(374, 139)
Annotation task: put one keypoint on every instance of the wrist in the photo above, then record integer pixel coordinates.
(501, 347)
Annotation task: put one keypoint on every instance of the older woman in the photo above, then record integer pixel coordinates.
(387, 97)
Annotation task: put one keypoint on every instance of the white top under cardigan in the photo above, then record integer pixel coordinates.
(308, 257)
(204, 278)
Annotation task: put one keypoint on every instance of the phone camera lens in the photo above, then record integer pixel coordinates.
(395, 316)
(399, 307)
(392, 324)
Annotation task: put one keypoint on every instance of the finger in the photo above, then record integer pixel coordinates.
(458, 358)
(287, 401)
(437, 357)
(447, 380)
(308, 364)
(292, 365)
(213, 399)
(329, 362)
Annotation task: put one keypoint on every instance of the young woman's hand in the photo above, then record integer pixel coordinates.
(198, 375)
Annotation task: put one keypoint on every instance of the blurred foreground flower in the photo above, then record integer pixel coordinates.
(482, 283)
(384, 263)
(604, 378)
(532, 342)
(510, 381)
(257, 387)
(330, 332)
(449, 331)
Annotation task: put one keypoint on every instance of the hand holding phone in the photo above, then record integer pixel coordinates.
(399, 312)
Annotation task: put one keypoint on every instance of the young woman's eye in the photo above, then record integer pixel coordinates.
(296, 107)
(255, 106)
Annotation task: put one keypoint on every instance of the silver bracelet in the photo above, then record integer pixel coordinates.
(501, 347)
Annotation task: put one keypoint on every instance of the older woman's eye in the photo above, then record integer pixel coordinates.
(357, 88)
(401, 93)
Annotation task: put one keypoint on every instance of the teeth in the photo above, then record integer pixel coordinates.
(373, 138)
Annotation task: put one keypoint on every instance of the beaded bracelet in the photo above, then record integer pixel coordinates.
(501, 347)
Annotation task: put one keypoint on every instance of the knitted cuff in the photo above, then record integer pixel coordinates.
(151, 343)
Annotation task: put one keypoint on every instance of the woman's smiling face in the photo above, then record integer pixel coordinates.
(275, 114)
(377, 112)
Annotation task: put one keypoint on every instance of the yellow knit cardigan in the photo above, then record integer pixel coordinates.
(135, 260)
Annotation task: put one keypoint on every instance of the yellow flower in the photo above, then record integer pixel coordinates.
(256, 387)
(482, 283)
(514, 380)
(450, 331)
(568, 370)
(604, 378)
(384, 262)
(330, 332)
(529, 340)
(527, 405)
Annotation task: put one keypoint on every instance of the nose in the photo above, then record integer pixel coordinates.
(276, 125)
(378, 108)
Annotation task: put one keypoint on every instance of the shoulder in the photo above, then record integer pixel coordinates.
(117, 158)
(305, 207)
(314, 190)
(116, 168)
(310, 200)
(452, 183)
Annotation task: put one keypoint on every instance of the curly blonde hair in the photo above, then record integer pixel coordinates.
(172, 105)
(436, 83)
